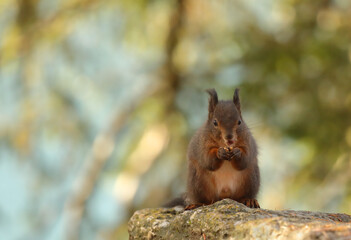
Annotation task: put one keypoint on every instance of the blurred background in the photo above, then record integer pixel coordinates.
(98, 101)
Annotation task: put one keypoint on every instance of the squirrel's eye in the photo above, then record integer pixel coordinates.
(215, 123)
(239, 122)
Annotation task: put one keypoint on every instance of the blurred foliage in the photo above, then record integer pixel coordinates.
(98, 100)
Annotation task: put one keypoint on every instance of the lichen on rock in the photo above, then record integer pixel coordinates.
(228, 219)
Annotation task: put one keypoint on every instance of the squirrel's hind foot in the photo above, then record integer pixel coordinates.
(193, 206)
(251, 203)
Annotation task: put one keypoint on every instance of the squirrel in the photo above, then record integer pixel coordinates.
(222, 158)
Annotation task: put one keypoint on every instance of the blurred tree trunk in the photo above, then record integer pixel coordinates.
(25, 20)
(170, 75)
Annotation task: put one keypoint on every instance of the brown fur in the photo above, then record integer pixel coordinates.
(218, 168)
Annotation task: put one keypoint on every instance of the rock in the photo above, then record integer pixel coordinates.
(228, 219)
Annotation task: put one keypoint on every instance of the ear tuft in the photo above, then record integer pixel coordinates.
(212, 101)
(236, 99)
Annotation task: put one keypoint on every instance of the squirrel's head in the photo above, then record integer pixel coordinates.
(224, 118)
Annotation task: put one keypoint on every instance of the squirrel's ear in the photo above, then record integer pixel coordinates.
(236, 99)
(212, 101)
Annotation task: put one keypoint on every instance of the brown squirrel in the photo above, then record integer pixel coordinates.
(222, 158)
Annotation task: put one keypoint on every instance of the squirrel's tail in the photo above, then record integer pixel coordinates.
(178, 201)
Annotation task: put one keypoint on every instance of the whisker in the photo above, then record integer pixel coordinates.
(255, 125)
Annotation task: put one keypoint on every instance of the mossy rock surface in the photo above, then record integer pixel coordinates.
(228, 219)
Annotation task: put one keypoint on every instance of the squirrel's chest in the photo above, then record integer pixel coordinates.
(227, 180)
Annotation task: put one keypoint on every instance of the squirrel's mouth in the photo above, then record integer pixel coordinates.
(229, 143)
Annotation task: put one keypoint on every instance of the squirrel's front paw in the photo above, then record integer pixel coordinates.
(224, 153)
(228, 153)
(236, 152)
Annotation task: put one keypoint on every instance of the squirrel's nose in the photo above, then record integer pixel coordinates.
(229, 137)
